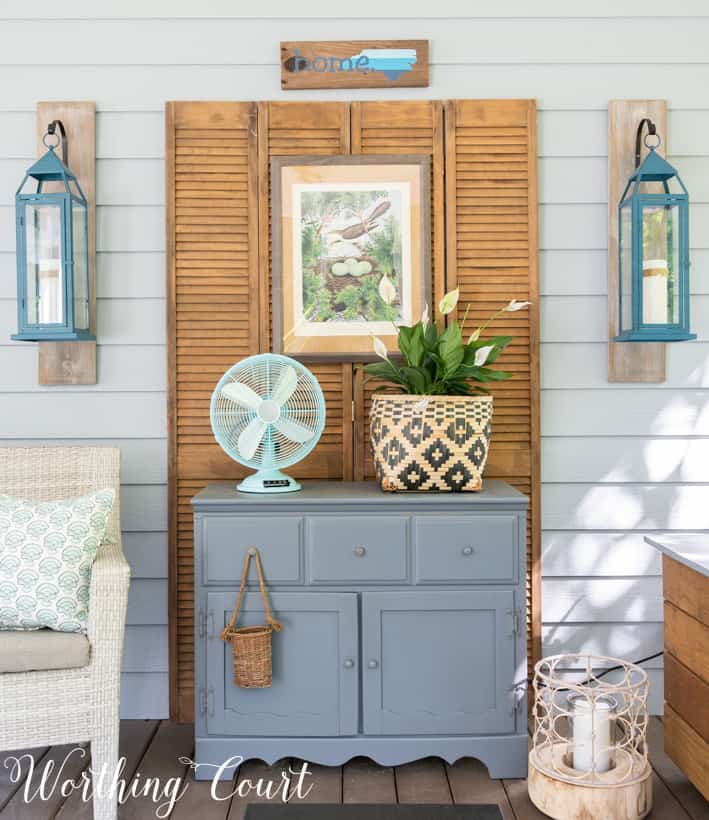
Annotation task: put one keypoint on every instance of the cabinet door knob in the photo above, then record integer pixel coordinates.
(360, 551)
(467, 550)
(349, 663)
(373, 664)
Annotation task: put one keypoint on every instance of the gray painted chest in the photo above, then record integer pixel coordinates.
(403, 626)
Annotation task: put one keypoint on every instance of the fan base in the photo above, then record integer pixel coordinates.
(268, 481)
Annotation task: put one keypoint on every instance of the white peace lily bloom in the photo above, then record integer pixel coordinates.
(474, 336)
(424, 316)
(482, 354)
(380, 348)
(515, 305)
(421, 405)
(449, 301)
(386, 290)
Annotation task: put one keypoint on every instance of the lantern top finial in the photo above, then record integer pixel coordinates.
(654, 168)
(50, 168)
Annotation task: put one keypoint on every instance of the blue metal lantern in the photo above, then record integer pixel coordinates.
(52, 251)
(653, 247)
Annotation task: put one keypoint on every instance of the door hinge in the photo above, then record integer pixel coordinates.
(516, 696)
(205, 624)
(516, 615)
(353, 412)
(206, 702)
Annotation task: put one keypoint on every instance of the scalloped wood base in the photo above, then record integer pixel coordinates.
(504, 755)
(568, 801)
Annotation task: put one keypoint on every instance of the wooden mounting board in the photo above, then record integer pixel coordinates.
(628, 361)
(74, 362)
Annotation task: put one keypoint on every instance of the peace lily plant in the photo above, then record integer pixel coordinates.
(436, 360)
(438, 442)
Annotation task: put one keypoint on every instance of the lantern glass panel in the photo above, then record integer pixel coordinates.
(79, 236)
(626, 268)
(45, 275)
(660, 264)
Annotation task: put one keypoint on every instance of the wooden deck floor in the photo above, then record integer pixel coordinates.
(153, 748)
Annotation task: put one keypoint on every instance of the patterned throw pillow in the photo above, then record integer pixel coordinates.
(46, 552)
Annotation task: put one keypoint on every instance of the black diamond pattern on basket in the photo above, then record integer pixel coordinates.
(416, 430)
(413, 476)
(477, 452)
(437, 453)
(394, 452)
(460, 432)
(457, 475)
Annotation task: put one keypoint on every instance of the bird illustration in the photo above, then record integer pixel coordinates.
(366, 224)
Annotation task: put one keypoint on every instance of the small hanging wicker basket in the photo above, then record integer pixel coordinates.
(251, 645)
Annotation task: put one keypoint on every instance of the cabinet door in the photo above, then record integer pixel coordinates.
(315, 688)
(438, 662)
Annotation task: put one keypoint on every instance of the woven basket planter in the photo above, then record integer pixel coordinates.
(430, 443)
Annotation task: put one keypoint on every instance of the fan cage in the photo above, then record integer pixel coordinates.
(554, 741)
(305, 406)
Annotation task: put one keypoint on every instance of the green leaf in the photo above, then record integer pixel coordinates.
(417, 348)
(405, 334)
(431, 336)
(415, 379)
(485, 374)
(451, 349)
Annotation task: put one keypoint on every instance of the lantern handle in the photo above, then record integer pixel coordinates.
(52, 132)
(651, 132)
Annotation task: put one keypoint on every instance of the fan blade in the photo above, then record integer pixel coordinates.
(241, 394)
(293, 431)
(250, 438)
(286, 384)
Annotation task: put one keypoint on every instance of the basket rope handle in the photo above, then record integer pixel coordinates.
(273, 623)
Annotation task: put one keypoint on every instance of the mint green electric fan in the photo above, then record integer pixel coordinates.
(267, 412)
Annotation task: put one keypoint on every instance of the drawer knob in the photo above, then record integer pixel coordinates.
(349, 663)
(373, 664)
(360, 551)
(467, 550)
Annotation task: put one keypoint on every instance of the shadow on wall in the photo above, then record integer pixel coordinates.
(602, 587)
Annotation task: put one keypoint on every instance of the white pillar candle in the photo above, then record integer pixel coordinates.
(655, 293)
(591, 731)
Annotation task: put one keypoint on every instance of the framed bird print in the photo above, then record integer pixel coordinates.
(351, 252)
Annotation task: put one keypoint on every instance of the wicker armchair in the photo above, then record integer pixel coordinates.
(76, 705)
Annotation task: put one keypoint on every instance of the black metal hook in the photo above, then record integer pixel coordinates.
(651, 130)
(52, 130)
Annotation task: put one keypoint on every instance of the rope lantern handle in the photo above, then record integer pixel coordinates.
(252, 552)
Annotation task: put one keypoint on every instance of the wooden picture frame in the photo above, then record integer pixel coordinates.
(395, 189)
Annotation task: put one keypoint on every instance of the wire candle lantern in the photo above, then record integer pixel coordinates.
(589, 751)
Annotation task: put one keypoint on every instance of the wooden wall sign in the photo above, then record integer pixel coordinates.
(74, 362)
(354, 64)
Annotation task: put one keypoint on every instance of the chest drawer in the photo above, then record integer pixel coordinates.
(227, 538)
(476, 549)
(365, 549)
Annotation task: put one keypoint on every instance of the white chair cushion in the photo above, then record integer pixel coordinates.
(32, 651)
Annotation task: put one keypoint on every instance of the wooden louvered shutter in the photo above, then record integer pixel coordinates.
(212, 243)
(292, 129)
(491, 255)
(402, 127)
